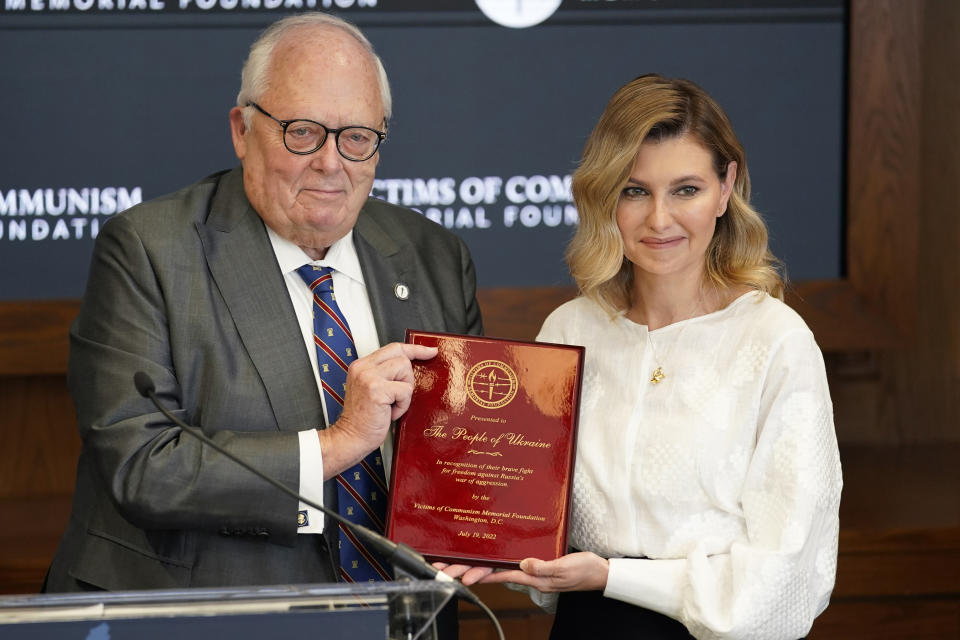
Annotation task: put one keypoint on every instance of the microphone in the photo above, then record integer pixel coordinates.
(399, 554)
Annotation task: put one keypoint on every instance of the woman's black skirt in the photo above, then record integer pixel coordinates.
(587, 614)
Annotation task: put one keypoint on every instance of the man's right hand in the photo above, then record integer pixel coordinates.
(379, 388)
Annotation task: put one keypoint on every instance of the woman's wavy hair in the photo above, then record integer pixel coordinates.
(655, 108)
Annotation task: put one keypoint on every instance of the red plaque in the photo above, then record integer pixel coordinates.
(483, 458)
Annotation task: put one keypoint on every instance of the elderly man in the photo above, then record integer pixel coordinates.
(219, 292)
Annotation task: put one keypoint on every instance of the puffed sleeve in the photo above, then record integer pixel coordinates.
(557, 325)
(773, 583)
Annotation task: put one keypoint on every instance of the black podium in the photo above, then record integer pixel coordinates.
(393, 610)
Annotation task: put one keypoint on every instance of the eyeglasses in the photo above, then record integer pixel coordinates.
(303, 137)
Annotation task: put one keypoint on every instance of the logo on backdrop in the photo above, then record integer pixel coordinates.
(61, 213)
(169, 6)
(518, 14)
(482, 202)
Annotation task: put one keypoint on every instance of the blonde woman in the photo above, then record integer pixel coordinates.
(707, 478)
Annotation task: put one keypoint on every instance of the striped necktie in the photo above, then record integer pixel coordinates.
(361, 489)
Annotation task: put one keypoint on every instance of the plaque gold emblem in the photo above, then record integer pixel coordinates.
(491, 384)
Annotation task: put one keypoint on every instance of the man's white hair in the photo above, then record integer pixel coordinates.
(255, 75)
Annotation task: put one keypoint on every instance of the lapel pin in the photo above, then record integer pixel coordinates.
(401, 290)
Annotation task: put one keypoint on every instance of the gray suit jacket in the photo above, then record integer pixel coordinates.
(186, 288)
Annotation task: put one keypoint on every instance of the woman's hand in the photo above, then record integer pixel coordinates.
(468, 575)
(581, 571)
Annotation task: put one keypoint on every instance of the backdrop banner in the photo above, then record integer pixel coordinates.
(108, 103)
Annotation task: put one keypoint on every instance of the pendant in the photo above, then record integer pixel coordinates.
(657, 376)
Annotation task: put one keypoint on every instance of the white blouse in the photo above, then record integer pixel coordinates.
(715, 493)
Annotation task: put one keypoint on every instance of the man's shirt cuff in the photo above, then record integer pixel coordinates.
(310, 520)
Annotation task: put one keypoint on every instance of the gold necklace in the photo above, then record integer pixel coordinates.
(658, 375)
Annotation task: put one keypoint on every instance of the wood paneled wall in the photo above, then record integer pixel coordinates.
(903, 226)
(890, 332)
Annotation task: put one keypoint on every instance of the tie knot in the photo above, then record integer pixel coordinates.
(319, 279)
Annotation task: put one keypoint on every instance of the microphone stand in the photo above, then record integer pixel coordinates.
(401, 556)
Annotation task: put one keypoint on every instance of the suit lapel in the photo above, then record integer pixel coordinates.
(243, 265)
(386, 266)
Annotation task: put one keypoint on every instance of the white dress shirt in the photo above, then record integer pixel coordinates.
(355, 305)
(716, 492)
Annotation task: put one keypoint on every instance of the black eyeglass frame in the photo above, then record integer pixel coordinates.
(381, 135)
